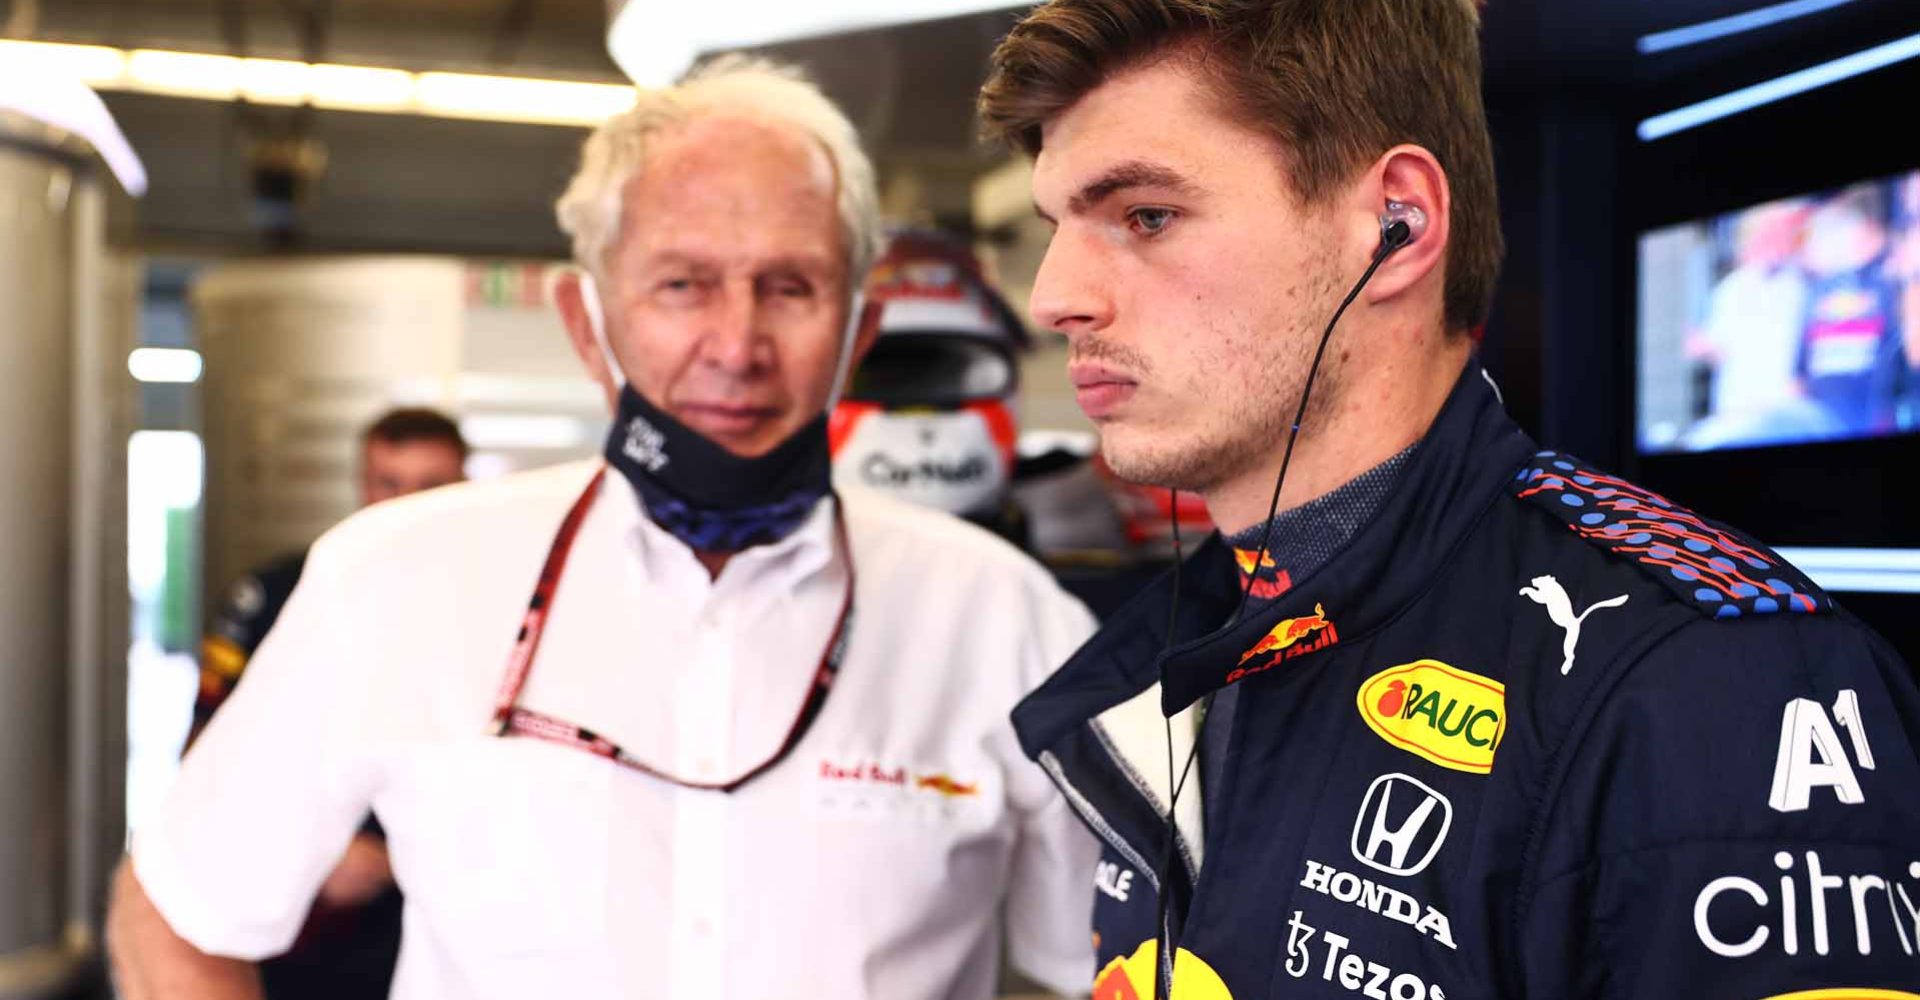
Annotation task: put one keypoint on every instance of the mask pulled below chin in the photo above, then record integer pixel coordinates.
(708, 497)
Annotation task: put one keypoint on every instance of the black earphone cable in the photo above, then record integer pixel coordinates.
(1393, 236)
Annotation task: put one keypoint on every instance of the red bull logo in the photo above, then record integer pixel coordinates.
(1288, 632)
(1249, 560)
(1848, 994)
(1445, 715)
(1264, 587)
(1130, 977)
(1284, 643)
(947, 786)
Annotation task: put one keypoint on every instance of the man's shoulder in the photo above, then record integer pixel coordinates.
(1717, 570)
(1633, 608)
(462, 517)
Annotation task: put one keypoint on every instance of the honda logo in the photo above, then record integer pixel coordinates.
(1401, 825)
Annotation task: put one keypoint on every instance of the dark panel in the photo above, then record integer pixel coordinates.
(391, 182)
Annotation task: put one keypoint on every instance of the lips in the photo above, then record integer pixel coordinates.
(1099, 389)
(724, 420)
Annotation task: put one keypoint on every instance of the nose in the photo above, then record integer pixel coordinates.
(734, 341)
(1071, 294)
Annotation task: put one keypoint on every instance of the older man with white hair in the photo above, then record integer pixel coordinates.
(683, 723)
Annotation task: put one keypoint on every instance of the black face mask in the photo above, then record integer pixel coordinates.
(708, 497)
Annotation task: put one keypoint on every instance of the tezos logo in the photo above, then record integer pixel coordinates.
(1438, 712)
(1373, 980)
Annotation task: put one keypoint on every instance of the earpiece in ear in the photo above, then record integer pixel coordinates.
(1401, 224)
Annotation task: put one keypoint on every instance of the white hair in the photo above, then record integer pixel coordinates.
(591, 209)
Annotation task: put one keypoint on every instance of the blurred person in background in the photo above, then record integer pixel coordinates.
(1851, 310)
(930, 414)
(1751, 332)
(351, 938)
(1513, 727)
(682, 723)
(1900, 361)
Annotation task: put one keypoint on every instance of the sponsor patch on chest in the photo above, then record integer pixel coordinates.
(1451, 717)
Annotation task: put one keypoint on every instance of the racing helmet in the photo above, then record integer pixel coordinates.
(928, 416)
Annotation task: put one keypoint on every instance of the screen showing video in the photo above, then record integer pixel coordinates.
(1791, 321)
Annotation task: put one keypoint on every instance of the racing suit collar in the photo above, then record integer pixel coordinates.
(1468, 455)
(1469, 452)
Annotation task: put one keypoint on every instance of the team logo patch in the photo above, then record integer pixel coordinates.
(1130, 977)
(946, 786)
(1284, 642)
(1263, 578)
(876, 774)
(1288, 632)
(1440, 713)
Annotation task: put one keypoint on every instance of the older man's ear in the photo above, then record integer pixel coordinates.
(570, 290)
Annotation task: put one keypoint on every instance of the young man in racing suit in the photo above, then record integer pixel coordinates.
(1511, 727)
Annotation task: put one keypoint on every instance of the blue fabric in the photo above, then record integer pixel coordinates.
(708, 497)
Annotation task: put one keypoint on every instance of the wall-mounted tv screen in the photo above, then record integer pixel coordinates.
(1792, 321)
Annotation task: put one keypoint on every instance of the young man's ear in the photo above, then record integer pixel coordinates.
(1411, 176)
(569, 297)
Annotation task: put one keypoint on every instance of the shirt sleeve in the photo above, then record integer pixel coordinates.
(1051, 886)
(1739, 821)
(269, 795)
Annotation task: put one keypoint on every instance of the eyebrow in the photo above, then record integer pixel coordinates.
(1123, 177)
(805, 262)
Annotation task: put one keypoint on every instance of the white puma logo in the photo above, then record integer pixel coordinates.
(1547, 591)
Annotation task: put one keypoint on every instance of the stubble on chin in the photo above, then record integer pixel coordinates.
(1228, 425)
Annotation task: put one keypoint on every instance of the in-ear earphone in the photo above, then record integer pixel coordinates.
(1401, 224)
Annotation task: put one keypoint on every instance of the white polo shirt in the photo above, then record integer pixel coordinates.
(535, 869)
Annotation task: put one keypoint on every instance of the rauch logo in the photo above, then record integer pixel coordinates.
(1438, 712)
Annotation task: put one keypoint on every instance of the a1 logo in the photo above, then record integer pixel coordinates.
(1812, 756)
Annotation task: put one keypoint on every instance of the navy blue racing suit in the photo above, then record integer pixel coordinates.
(1534, 732)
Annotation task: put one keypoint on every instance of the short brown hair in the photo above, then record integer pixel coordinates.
(410, 424)
(1335, 82)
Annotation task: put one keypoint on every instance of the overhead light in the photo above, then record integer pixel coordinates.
(465, 95)
(1721, 27)
(1872, 571)
(324, 85)
(275, 81)
(48, 91)
(1779, 88)
(185, 74)
(360, 88)
(655, 43)
(93, 65)
(164, 364)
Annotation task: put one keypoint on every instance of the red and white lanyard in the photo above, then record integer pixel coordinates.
(511, 720)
